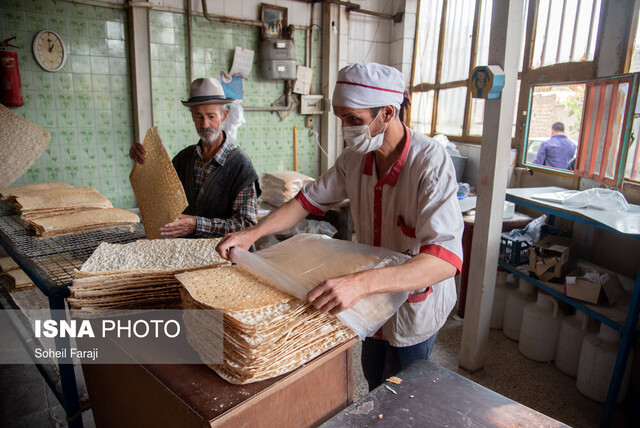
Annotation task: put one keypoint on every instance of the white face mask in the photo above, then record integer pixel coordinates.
(359, 137)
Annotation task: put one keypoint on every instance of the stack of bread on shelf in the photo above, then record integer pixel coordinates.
(279, 187)
(16, 278)
(139, 274)
(53, 209)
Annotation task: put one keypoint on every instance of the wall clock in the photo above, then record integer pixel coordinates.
(49, 50)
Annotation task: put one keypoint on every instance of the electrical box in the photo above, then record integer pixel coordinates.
(278, 59)
(311, 104)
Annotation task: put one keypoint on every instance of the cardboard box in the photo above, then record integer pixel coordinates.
(608, 291)
(552, 257)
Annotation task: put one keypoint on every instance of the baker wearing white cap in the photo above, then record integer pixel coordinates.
(218, 177)
(402, 189)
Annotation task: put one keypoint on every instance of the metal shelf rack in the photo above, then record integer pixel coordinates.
(49, 262)
(628, 329)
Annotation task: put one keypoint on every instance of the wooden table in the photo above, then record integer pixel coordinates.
(193, 395)
(432, 396)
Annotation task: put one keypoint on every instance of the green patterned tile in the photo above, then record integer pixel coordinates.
(99, 82)
(59, 25)
(78, 27)
(80, 64)
(104, 118)
(36, 22)
(119, 84)
(85, 117)
(13, 20)
(104, 133)
(96, 29)
(86, 136)
(67, 136)
(65, 118)
(79, 46)
(116, 48)
(98, 47)
(46, 119)
(115, 30)
(102, 100)
(83, 100)
(63, 81)
(117, 66)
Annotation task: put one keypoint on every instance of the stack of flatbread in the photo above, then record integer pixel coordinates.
(53, 209)
(280, 187)
(139, 274)
(18, 280)
(266, 332)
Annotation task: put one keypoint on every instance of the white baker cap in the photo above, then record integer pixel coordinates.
(367, 85)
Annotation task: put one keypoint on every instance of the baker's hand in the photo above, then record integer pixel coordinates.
(137, 152)
(242, 239)
(337, 294)
(183, 226)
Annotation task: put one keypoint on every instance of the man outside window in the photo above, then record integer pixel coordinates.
(558, 150)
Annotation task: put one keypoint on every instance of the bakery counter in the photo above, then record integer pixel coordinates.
(193, 395)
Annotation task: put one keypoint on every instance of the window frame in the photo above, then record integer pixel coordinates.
(438, 86)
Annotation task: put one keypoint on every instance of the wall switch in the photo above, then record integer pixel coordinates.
(311, 104)
(308, 121)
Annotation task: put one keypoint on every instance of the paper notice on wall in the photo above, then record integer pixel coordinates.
(242, 62)
(304, 76)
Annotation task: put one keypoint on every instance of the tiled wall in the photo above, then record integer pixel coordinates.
(86, 106)
(264, 137)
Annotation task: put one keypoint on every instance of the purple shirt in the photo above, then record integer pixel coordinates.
(556, 152)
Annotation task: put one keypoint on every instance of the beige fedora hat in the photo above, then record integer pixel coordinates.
(206, 91)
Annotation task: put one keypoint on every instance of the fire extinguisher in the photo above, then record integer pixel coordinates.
(11, 95)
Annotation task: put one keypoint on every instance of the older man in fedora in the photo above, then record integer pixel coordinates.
(218, 177)
(402, 187)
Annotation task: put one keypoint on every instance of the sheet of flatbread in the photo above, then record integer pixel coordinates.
(230, 288)
(61, 199)
(18, 279)
(21, 143)
(7, 264)
(158, 189)
(83, 221)
(154, 254)
(9, 193)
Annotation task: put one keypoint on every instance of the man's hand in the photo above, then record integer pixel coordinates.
(183, 226)
(242, 239)
(137, 152)
(338, 294)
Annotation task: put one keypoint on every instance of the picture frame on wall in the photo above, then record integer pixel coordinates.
(274, 19)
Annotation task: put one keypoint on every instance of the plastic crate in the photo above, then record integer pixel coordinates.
(513, 252)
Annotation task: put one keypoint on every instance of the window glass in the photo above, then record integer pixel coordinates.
(457, 40)
(422, 111)
(426, 55)
(635, 55)
(565, 31)
(451, 111)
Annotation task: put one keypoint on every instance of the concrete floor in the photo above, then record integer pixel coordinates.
(26, 401)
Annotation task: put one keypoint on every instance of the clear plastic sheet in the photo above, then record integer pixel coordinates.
(300, 263)
(604, 199)
(314, 226)
(531, 233)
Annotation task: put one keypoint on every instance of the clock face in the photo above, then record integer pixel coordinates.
(49, 50)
